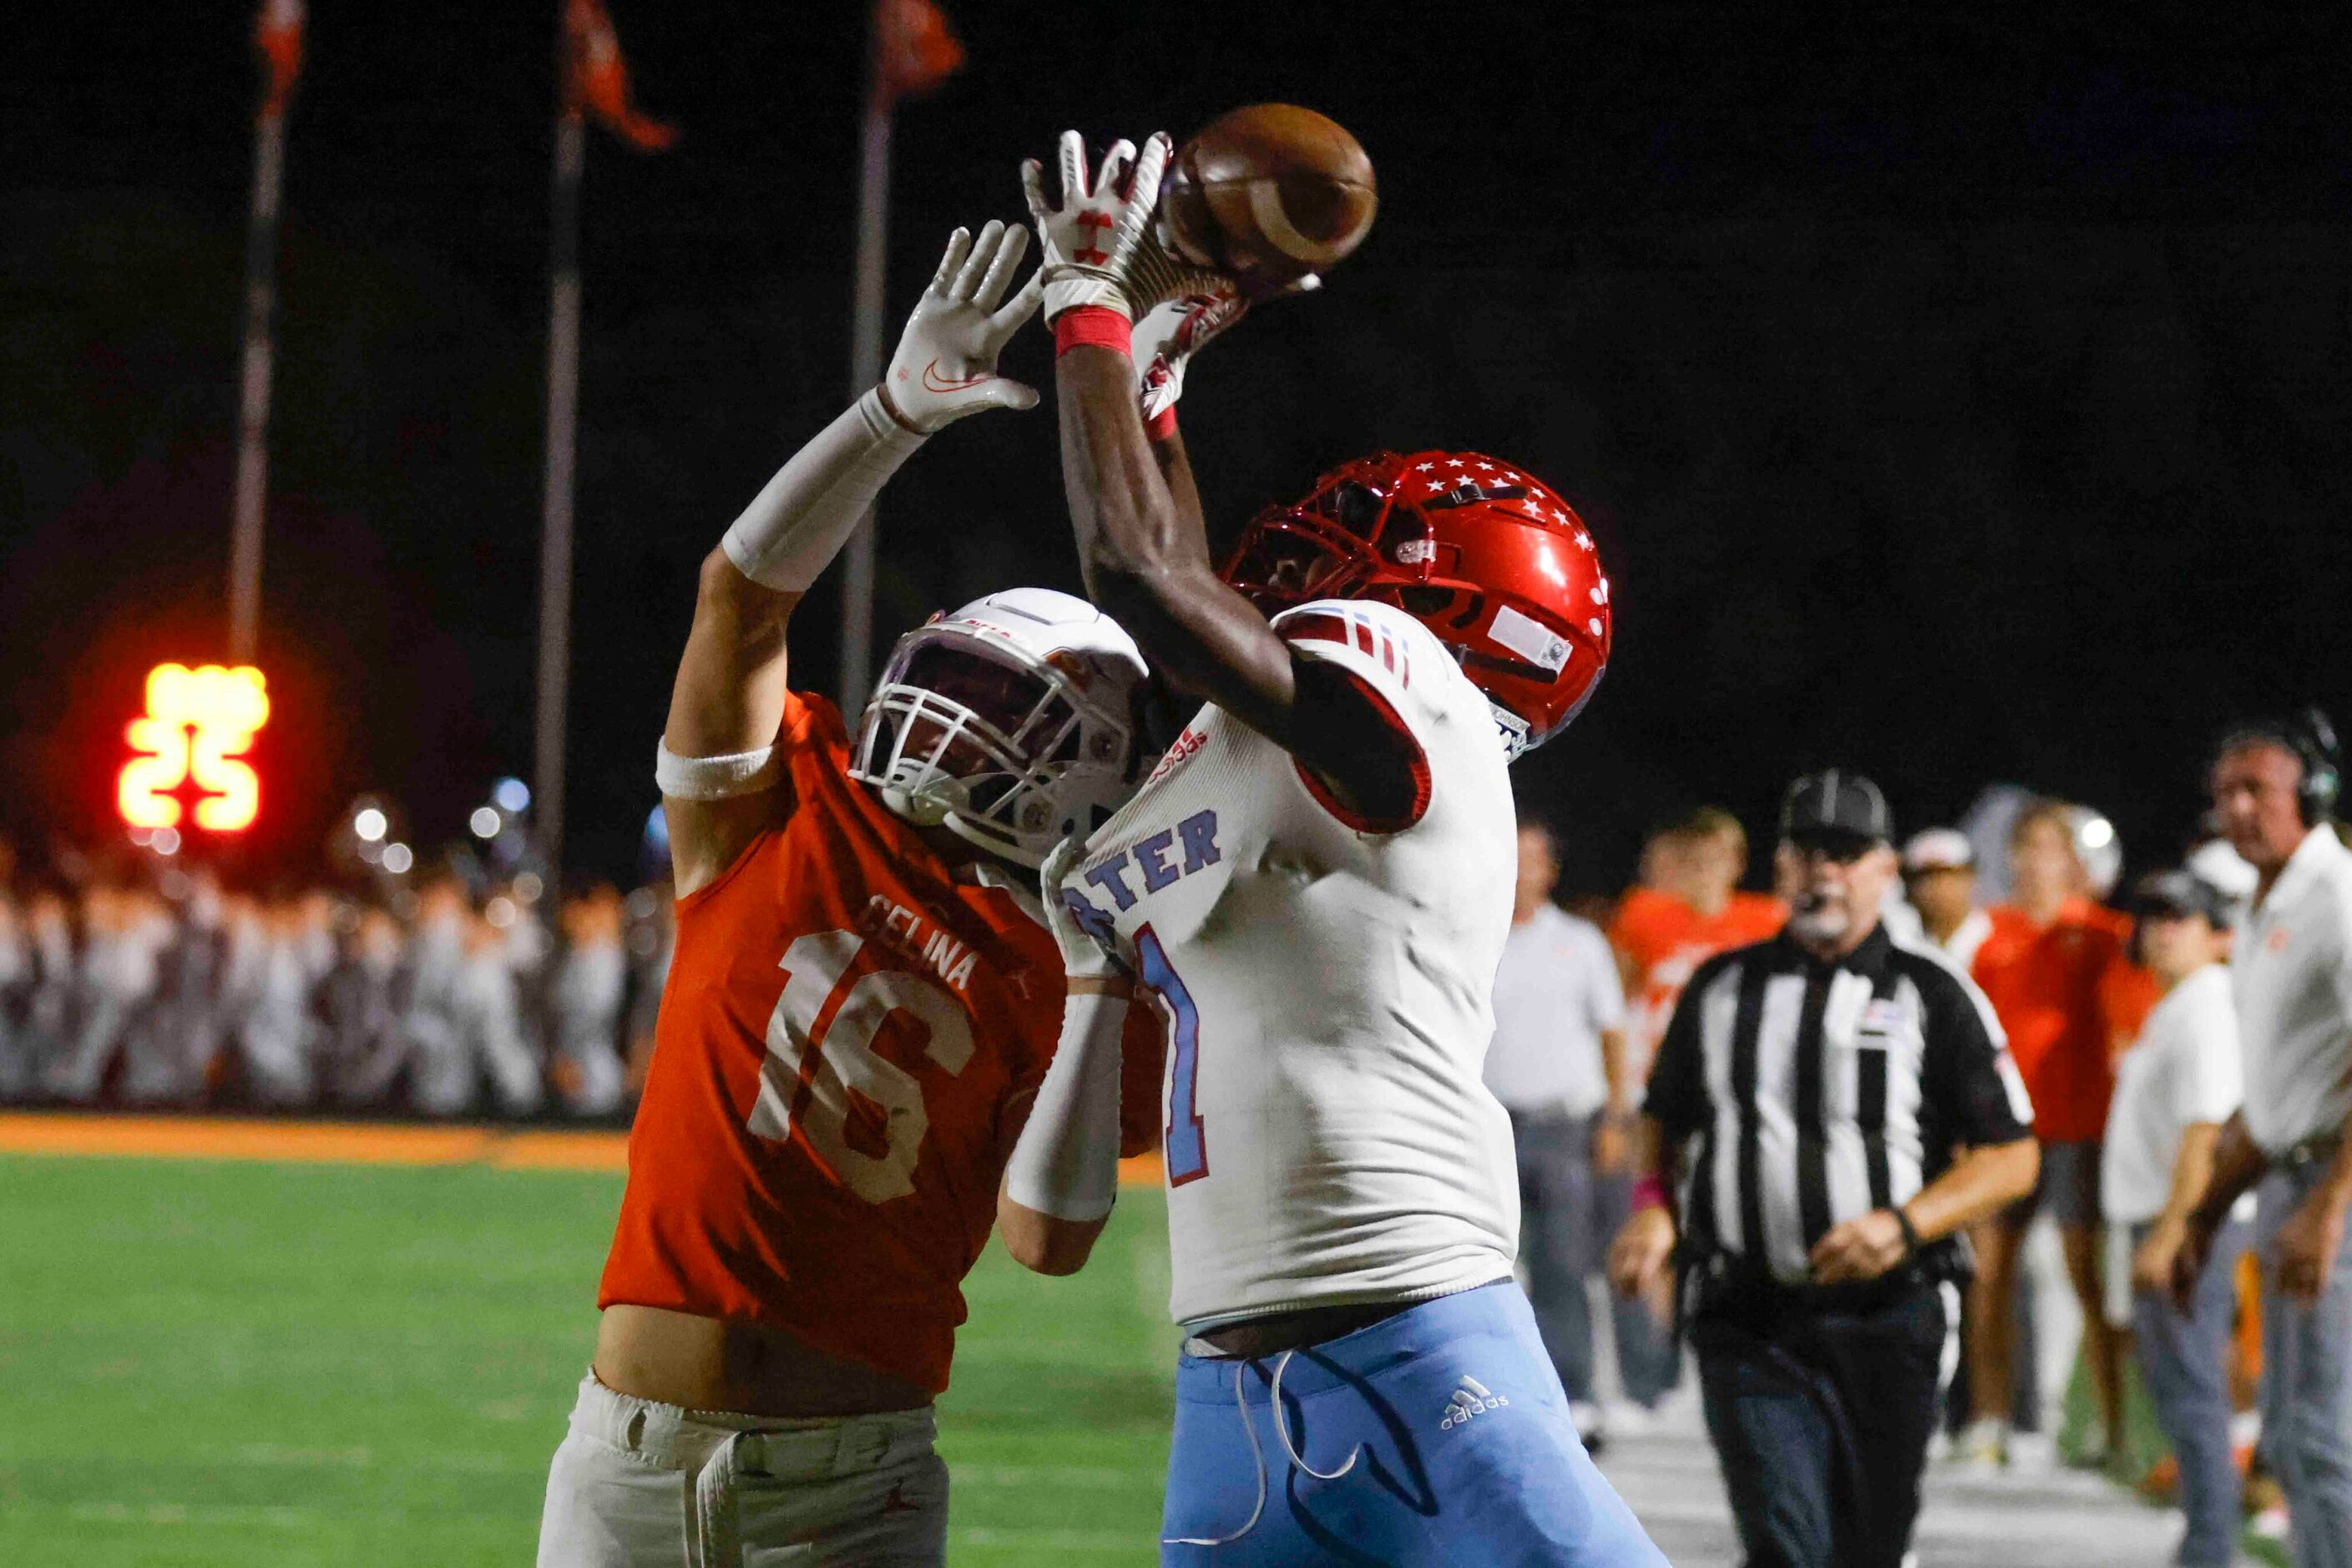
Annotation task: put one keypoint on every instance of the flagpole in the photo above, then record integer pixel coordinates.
(866, 367)
(253, 400)
(555, 516)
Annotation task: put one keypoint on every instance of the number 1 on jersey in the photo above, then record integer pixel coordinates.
(1187, 1138)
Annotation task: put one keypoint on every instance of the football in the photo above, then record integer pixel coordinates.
(1268, 193)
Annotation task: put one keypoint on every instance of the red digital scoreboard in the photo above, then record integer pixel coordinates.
(189, 745)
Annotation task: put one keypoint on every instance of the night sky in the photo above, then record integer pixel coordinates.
(1952, 401)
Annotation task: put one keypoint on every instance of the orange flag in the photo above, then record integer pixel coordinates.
(278, 33)
(918, 51)
(596, 79)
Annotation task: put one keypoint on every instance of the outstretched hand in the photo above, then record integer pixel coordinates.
(945, 367)
(1168, 336)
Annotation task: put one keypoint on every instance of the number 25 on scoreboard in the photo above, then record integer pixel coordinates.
(190, 741)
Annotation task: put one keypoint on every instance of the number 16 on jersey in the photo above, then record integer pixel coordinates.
(1187, 1138)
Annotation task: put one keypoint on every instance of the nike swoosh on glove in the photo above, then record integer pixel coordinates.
(945, 366)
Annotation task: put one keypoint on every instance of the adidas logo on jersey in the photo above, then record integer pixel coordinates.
(1473, 1398)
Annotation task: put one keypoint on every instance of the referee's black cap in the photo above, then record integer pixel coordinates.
(1836, 806)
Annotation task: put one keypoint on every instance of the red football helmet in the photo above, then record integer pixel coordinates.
(1482, 553)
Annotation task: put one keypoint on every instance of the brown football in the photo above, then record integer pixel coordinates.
(1270, 193)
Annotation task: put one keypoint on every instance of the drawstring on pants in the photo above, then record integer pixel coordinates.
(1257, 1456)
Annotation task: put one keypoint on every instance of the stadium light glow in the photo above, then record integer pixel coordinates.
(370, 825)
(191, 742)
(485, 822)
(397, 859)
(511, 796)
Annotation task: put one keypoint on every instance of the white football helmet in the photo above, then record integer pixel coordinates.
(1012, 722)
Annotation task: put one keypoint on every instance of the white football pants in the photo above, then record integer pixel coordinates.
(641, 1485)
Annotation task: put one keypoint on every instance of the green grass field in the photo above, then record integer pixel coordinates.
(254, 1364)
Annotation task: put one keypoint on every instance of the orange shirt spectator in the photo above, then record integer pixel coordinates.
(1688, 910)
(2066, 993)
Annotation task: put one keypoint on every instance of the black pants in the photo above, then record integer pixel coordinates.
(1820, 1418)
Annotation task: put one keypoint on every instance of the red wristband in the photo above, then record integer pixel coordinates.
(1649, 1192)
(1161, 427)
(1098, 324)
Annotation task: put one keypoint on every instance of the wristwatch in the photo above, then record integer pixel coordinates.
(1910, 1231)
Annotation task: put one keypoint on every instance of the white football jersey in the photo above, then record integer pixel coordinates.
(1327, 987)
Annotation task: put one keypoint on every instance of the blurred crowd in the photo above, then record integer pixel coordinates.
(150, 985)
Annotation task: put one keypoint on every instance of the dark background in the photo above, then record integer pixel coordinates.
(1961, 398)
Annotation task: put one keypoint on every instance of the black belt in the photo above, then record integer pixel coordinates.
(1725, 1285)
(1278, 1331)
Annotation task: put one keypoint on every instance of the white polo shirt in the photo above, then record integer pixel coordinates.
(2292, 971)
(2183, 1068)
(1555, 990)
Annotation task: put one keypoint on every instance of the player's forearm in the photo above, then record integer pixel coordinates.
(1975, 1185)
(2238, 1164)
(1062, 1177)
(730, 690)
(1175, 462)
(802, 517)
(1147, 564)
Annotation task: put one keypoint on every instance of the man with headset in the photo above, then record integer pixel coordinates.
(2274, 788)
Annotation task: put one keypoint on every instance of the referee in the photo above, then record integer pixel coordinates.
(1829, 1109)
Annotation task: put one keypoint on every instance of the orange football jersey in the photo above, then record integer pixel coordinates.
(1664, 940)
(2066, 993)
(848, 1042)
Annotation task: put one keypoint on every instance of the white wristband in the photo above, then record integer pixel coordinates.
(715, 778)
(799, 521)
(1066, 1162)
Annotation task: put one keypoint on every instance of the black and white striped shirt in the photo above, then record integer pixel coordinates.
(1807, 1093)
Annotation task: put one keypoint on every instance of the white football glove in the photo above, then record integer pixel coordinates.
(1169, 334)
(1102, 247)
(1090, 238)
(946, 363)
(1084, 955)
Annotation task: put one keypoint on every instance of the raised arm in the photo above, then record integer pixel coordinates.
(716, 763)
(1061, 1177)
(1142, 545)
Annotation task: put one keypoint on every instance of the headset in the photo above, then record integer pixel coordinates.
(2312, 738)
